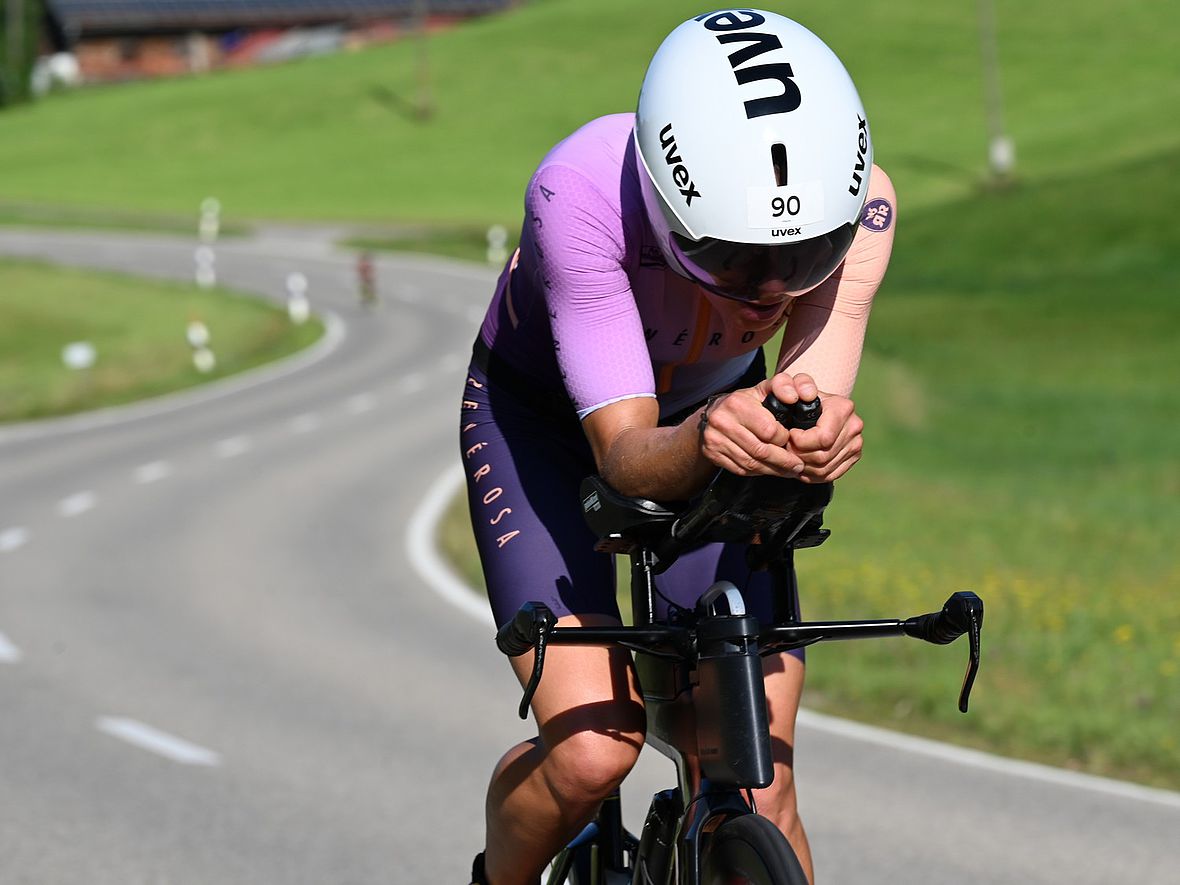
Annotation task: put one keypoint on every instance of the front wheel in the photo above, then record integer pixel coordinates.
(750, 849)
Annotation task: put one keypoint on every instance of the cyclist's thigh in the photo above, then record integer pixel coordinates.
(587, 690)
(692, 573)
(523, 472)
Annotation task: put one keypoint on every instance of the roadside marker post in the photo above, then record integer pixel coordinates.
(497, 244)
(298, 307)
(206, 272)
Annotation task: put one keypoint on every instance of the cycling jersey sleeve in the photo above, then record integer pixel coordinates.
(826, 331)
(597, 332)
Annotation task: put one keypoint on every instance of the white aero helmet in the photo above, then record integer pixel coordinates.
(754, 153)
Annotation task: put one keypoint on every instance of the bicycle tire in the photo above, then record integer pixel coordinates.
(750, 850)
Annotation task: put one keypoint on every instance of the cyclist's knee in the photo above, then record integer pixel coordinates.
(591, 764)
(778, 801)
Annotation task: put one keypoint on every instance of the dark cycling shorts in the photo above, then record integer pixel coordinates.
(524, 462)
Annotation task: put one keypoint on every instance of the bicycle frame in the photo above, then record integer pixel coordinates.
(703, 689)
(700, 672)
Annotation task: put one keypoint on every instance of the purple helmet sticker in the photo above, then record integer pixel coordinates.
(877, 215)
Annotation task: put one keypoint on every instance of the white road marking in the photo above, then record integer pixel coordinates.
(412, 383)
(361, 403)
(152, 472)
(155, 741)
(77, 504)
(987, 761)
(9, 653)
(305, 423)
(232, 447)
(424, 555)
(11, 539)
(439, 577)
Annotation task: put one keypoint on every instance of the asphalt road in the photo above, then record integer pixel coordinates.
(218, 664)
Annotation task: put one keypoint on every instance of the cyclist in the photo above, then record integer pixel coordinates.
(660, 251)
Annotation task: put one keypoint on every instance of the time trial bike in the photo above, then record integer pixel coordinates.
(701, 677)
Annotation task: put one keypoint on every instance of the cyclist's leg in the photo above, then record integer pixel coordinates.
(523, 474)
(784, 686)
(682, 585)
(544, 791)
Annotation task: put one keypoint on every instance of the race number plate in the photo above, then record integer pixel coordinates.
(781, 208)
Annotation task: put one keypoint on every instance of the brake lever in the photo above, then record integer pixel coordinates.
(543, 628)
(973, 610)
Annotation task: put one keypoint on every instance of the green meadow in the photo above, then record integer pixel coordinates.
(1020, 379)
(138, 330)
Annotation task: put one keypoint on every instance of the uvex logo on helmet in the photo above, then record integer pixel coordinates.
(680, 175)
(732, 26)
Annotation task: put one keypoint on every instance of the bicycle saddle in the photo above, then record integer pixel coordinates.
(621, 523)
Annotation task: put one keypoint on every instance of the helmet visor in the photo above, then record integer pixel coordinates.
(750, 271)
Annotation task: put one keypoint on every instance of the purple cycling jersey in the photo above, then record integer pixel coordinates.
(589, 306)
(588, 311)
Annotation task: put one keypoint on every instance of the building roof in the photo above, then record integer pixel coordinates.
(78, 17)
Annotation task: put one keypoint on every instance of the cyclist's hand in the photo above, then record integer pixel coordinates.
(740, 435)
(829, 449)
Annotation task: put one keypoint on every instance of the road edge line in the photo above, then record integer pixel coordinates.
(425, 559)
(433, 569)
(986, 761)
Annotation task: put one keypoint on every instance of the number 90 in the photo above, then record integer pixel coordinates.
(790, 206)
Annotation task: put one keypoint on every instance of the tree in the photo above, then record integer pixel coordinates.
(20, 35)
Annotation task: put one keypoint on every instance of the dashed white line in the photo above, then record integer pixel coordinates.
(232, 447)
(152, 472)
(77, 504)
(155, 741)
(9, 653)
(13, 538)
(305, 423)
(361, 403)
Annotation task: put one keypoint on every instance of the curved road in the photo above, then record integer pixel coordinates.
(217, 664)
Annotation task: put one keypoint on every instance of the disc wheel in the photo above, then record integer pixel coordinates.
(750, 850)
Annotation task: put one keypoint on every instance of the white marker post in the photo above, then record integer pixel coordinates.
(206, 273)
(79, 356)
(298, 307)
(210, 224)
(198, 339)
(497, 244)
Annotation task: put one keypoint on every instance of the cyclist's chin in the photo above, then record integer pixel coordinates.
(750, 316)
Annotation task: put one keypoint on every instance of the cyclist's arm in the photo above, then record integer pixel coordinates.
(638, 458)
(826, 334)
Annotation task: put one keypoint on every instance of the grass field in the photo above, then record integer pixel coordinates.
(1020, 382)
(138, 330)
(103, 218)
(334, 137)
